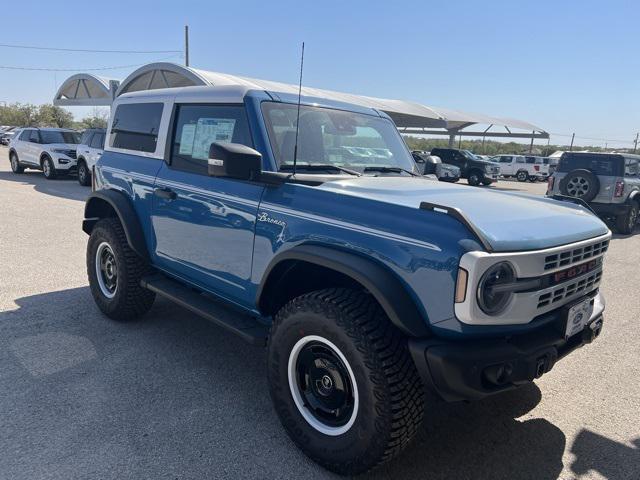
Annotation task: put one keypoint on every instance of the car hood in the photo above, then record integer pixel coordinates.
(507, 221)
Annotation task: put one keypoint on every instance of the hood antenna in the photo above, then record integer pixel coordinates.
(295, 148)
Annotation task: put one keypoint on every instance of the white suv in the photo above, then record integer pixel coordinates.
(522, 167)
(52, 150)
(89, 151)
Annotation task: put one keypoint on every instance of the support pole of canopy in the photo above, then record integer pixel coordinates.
(531, 144)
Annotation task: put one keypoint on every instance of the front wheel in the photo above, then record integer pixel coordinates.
(48, 169)
(627, 222)
(342, 381)
(487, 182)
(15, 163)
(522, 176)
(474, 179)
(115, 271)
(84, 177)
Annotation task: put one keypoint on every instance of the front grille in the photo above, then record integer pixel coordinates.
(583, 285)
(573, 256)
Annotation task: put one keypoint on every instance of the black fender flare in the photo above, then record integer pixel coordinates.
(381, 282)
(100, 204)
(635, 196)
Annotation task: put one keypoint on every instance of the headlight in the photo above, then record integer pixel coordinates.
(493, 299)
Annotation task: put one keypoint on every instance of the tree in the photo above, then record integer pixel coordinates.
(98, 119)
(54, 116)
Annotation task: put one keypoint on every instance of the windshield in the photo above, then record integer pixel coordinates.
(470, 155)
(56, 136)
(335, 138)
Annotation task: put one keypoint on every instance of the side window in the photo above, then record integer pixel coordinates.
(86, 138)
(520, 160)
(24, 136)
(631, 168)
(505, 159)
(97, 141)
(530, 159)
(198, 126)
(34, 137)
(135, 126)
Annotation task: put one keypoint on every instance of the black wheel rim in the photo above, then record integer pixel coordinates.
(106, 270)
(81, 173)
(324, 384)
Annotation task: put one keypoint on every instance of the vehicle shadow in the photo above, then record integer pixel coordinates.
(172, 395)
(482, 440)
(611, 459)
(64, 186)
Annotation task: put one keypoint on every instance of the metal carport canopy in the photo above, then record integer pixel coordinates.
(409, 117)
(85, 89)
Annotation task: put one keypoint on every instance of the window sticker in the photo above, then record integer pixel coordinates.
(186, 139)
(209, 130)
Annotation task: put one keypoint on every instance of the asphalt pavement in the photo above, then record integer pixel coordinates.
(174, 397)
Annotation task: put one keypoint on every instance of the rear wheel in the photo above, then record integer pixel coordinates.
(627, 222)
(15, 163)
(48, 169)
(342, 380)
(487, 182)
(84, 176)
(115, 271)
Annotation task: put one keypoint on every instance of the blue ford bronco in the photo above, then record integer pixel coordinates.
(311, 232)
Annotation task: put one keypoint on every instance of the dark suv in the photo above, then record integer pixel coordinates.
(473, 168)
(609, 183)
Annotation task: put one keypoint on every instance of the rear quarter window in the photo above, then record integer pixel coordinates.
(136, 126)
(599, 164)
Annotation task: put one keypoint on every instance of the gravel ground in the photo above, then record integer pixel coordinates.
(174, 397)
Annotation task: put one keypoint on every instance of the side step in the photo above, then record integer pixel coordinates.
(247, 327)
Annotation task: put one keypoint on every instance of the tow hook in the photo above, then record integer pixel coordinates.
(595, 329)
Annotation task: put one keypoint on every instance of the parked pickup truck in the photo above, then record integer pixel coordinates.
(475, 169)
(522, 167)
(311, 232)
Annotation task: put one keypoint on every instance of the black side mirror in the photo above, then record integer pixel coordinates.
(233, 160)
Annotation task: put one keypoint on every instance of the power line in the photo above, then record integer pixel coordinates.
(32, 47)
(44, 69)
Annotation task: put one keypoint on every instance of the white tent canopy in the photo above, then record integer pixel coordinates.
(409, 117)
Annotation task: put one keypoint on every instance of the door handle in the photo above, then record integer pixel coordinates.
(165, 193)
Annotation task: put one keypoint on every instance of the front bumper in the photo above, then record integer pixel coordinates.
(63, 162)
(473, 369)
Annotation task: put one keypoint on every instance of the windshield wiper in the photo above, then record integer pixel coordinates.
(391, 170)
(317, 166)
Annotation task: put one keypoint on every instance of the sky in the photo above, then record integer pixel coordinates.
(566, 66)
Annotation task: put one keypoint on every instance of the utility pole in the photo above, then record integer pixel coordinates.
(186, 45)
(635, 143)
(531, 144)
(573, 135)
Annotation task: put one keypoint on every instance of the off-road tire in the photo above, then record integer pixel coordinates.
(391, 397)
(627, 222)
(48, 168)
(84, 179)
(487, 182)
(15, 163)
(130, 301)
(475, 178)
(522, 176)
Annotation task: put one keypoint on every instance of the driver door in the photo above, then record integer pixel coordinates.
(205, 226)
